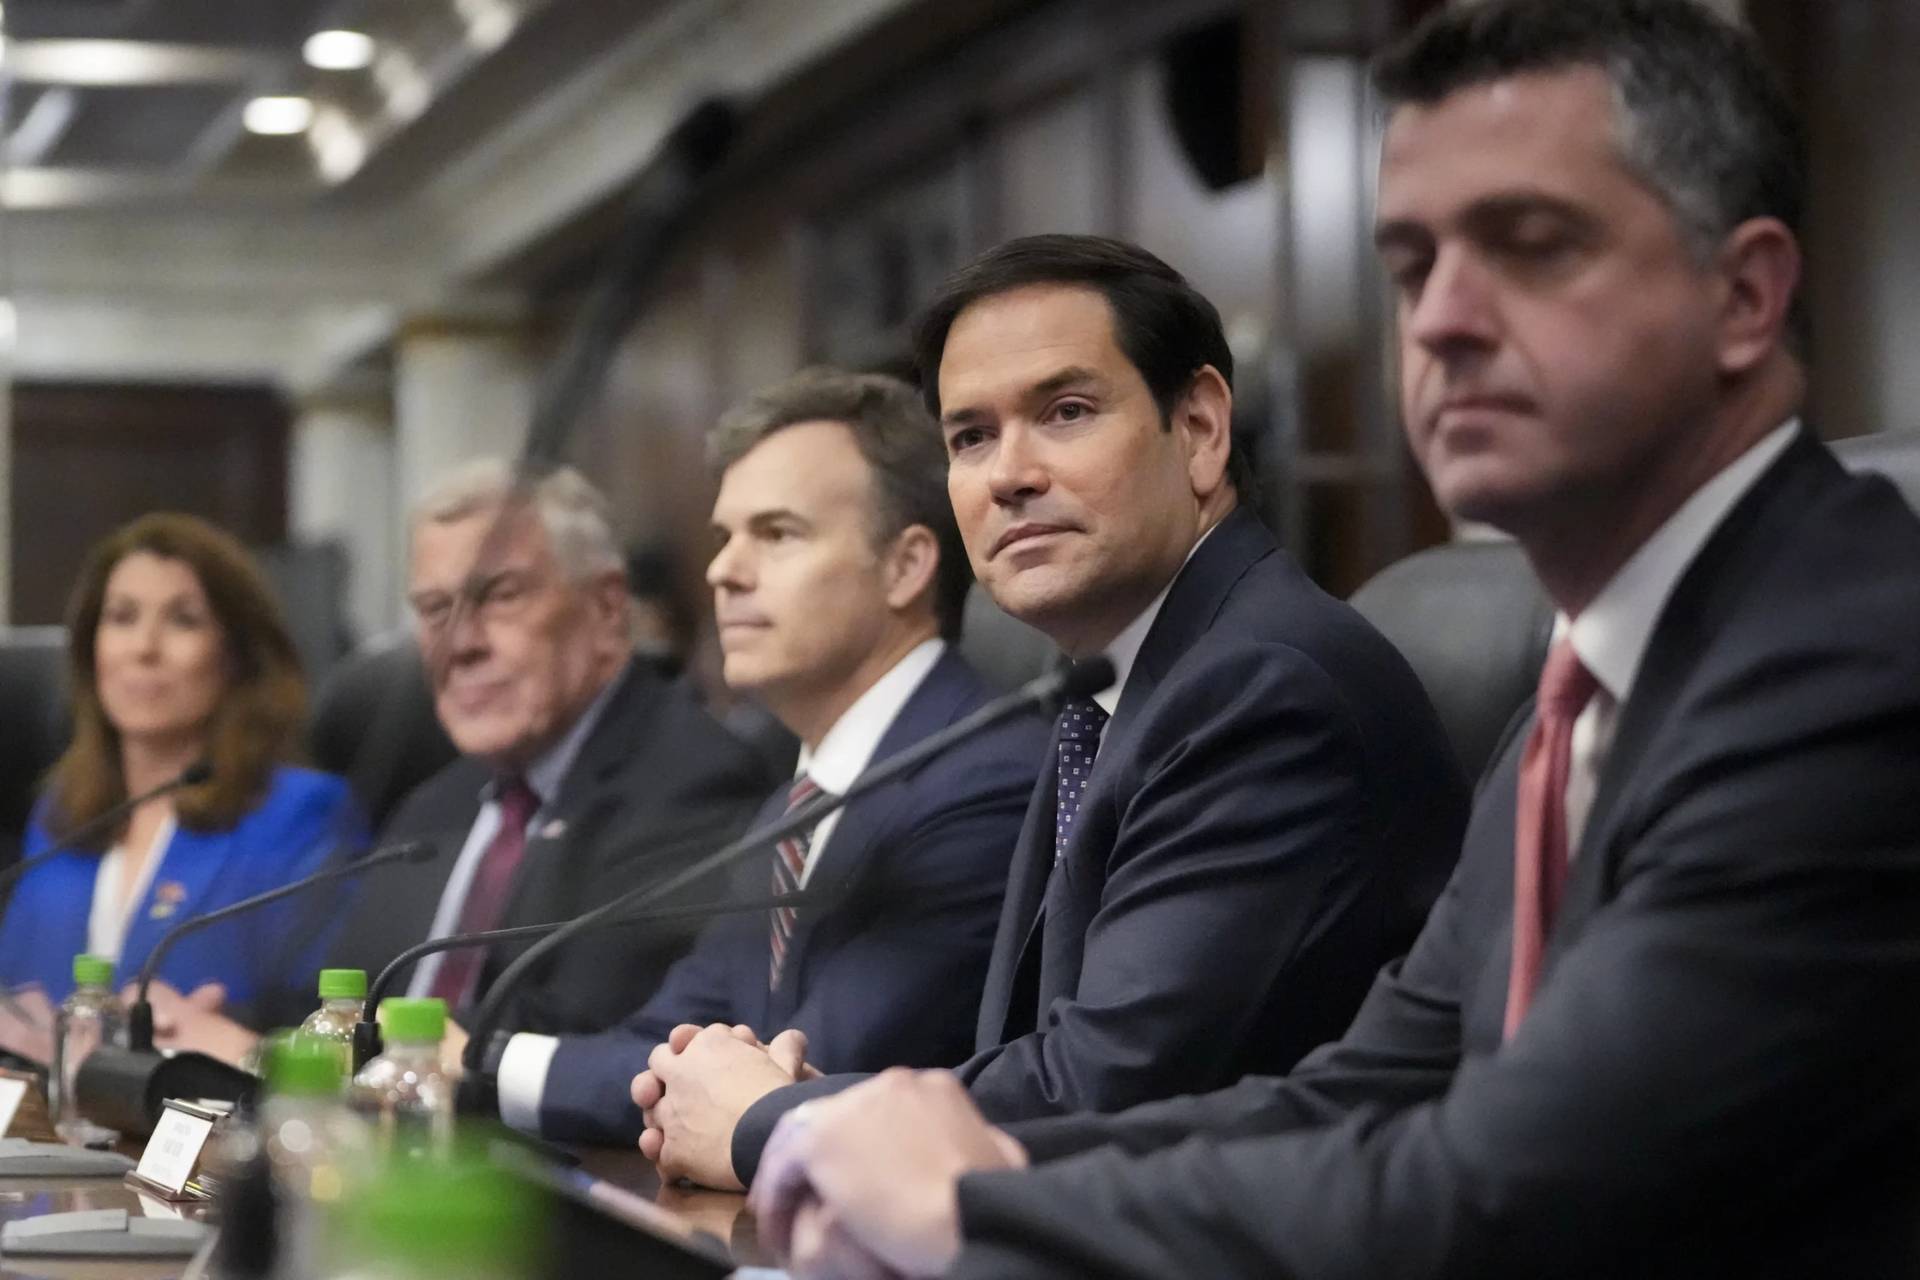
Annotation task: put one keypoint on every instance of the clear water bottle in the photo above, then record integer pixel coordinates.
(90, 1017)
(342, 992)
(316, 1148)
(405, 1092)
(443, 1219)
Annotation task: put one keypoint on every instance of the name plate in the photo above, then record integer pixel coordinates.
(170, 1164)
(13, 1092)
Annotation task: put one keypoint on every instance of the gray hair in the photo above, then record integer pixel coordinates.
(1698, 115)
(575, 515)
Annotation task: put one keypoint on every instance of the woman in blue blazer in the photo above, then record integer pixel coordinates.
(177, 654)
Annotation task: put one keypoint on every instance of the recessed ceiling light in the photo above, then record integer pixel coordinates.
(278, 115)
(339, 50)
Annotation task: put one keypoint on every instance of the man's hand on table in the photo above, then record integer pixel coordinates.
(697, 1086)
(874, 1172)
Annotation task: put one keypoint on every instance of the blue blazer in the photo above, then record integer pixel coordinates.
(267, 959)
(890, 974)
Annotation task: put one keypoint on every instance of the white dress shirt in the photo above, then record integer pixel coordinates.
(1612, 633)
(544, 777)
(110, 915)
(840, 757)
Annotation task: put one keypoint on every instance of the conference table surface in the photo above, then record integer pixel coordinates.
(720, 1214)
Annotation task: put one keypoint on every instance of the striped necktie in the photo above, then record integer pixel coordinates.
(789, 868)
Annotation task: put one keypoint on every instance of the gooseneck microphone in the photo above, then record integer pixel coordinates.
(140, 1015)
(1078, 681)
(191, 776)
(366, 1033)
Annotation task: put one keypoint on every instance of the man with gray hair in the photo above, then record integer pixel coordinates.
(583, 771)
(838, 583)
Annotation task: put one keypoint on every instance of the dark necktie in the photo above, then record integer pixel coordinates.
(1081, 721)
(486, 903)
(1540, 843)
(789, 866)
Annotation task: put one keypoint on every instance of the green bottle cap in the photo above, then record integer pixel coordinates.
(303, 1066)
(453, 1217)
(343, 984)
(414, 1021)
(93, 971)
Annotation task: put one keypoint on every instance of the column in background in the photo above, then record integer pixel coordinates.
(343, 492)
(462, 390)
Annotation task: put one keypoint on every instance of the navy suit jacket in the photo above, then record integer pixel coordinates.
(267, 959)
(1273, 810)
(890, 973)
(657, 784)
(1720, 1073)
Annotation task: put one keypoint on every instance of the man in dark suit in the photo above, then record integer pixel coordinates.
(1658, 1024)
(1228, 843)
(583, 772)
(838, 585)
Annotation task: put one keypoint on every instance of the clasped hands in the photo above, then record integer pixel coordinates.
(857, 1186)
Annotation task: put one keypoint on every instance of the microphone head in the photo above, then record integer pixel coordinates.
(195, 774)
(1086, 678)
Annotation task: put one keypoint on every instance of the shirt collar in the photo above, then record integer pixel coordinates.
(1611, 634)
(1126, 646)
(846, 747)
(551, 767)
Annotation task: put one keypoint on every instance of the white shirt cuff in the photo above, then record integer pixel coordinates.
(523, 1079)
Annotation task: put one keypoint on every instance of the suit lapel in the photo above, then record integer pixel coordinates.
(1682, 638)
(191, 870)
(1192, 603)
(568, 835)
(934, 703)
(1026, 889)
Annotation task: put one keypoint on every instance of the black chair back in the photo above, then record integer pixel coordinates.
(1474, 625)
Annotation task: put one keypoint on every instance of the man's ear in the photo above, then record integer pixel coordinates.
(1204, 421)
(910, 565)
(1760, 264)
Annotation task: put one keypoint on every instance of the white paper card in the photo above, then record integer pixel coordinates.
(174, 1149)
(12, 1093)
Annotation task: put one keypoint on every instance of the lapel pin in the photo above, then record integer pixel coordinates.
(167, 897)
(554, 830)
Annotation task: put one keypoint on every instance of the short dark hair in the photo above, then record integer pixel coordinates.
(1162, 324)
(897, 439)
(1701, 118)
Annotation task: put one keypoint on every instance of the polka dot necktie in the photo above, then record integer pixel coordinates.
(1081, 721)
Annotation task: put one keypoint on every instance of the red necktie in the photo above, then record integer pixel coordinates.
(486, 903)
(1540, 844)
(789, 865)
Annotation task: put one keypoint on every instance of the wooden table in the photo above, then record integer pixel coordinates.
(720, 1214)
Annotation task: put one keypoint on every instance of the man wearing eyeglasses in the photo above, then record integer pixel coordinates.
(583, 771)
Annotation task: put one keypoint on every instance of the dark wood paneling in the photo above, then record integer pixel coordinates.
(87, 459)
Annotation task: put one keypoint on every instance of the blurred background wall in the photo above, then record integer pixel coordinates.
(283, 282)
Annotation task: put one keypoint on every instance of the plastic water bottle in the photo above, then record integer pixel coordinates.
(317, 1149)
(90, 1017)
(341, 993)
(443, 1219)
(405, 1091)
